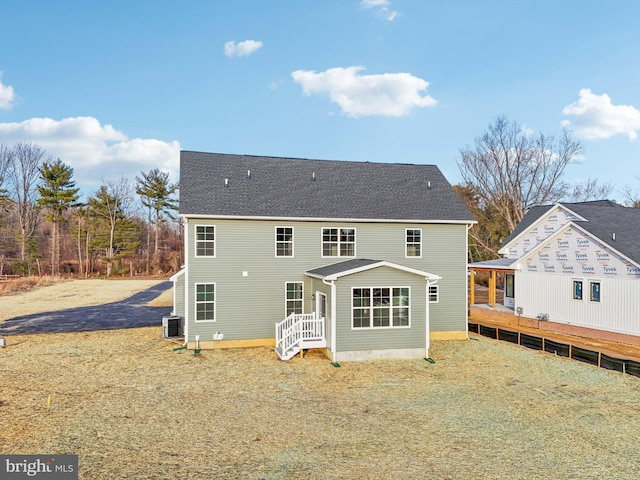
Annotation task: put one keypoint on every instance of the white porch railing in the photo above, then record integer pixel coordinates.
(299, 331)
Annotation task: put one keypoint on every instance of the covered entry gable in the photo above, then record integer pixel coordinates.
(350, 267)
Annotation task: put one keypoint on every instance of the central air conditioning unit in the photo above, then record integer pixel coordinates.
(171, 327)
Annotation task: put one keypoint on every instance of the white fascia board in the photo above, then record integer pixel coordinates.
(542, 218)
(188, 216)
(178, 274)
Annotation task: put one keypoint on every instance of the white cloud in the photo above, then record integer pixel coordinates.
(241, 49)
(374, 3)
(381, 8)
(7, 96)
(595, 117)
(96, 152)
(388, 94)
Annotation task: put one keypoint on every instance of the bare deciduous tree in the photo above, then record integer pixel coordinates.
(512, 170)
(24, 171)
(590, 189)
(632, 195)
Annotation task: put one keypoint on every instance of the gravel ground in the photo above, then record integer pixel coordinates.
(71, 294)
(133, 408)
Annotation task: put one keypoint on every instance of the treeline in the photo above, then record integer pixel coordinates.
(124, 228)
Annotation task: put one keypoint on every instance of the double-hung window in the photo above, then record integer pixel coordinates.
(205, 302)
(205, 241)
(434, 293)
(413, 242)
(338, 242)
(380, 307)
(284, 241)
(293, 298)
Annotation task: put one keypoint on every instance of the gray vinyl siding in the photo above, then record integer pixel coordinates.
(446, 252)
(414, 336)
(247, 307)
(178, 294)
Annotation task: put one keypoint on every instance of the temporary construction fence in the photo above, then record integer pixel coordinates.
(558, 348)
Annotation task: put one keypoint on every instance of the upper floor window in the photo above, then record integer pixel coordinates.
(338, 242)
(284, 241)
(205, 241)
(413, 242)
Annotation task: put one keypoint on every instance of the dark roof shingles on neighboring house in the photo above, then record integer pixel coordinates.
(301, 188)
(604, 219)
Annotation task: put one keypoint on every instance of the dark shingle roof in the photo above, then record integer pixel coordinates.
(604, 218)
(341, 267)
(301, 188)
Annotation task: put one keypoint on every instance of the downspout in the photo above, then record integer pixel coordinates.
(428, 318)
(185, 227)
(332, 284)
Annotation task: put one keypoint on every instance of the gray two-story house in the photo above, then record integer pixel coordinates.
(365, 260)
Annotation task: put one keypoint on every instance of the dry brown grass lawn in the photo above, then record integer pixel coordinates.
(133, 408)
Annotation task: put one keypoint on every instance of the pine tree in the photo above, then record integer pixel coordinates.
(57, 195)
(155, 192)
(114, 235)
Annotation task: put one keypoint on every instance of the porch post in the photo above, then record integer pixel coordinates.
(472, 283)
(492, 288)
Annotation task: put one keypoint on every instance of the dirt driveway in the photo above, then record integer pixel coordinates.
(132, 312)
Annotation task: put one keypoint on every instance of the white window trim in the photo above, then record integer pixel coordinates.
(590, 282)
(322, 242)
(391, 326)
(275, 236)
(195, 302)
(286, 300)
(406, 243)
(573, 280)
(437, 293)
(195, 241)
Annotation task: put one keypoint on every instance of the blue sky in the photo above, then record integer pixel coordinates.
(115, 88)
